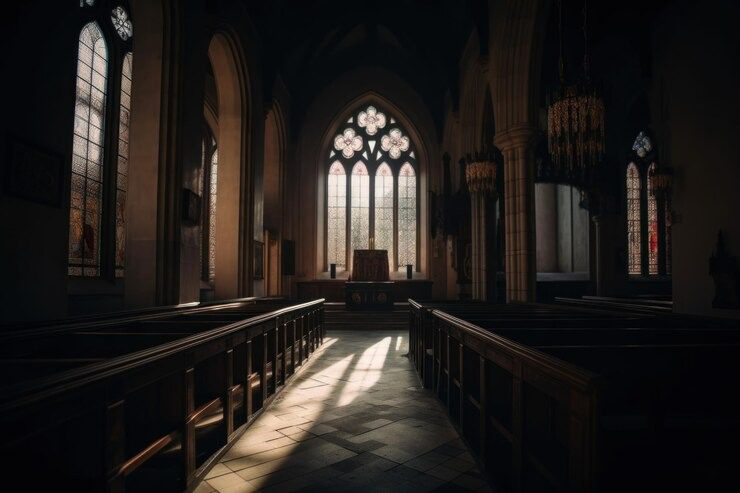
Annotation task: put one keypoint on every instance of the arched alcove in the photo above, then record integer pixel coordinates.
(273, 195)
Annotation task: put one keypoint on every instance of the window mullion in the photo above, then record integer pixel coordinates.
(396, 253)
(348, 221)
(371, 212)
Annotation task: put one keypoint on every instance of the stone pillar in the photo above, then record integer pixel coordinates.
(517, 146)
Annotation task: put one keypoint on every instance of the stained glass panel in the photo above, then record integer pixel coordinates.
(360, 207)
(406, 217)
(336, 241)
(124, 118)
(634, 237)
(212, 196)
(376, 149)
(87, 154)
(384, 210)
(652, 218)
(642, 145)
(121, 21)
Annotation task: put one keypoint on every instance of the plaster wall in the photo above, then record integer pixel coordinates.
(697, 75)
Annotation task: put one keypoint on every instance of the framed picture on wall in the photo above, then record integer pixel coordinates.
(259, 260)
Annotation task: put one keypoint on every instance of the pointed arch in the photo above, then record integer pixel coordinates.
(86, 197)
(634, 222)
(652, 224)
(372, 141)
(124, 127)
(360, 208)
(337, 216)
(407, 214)
(384, 205)
(231, 199)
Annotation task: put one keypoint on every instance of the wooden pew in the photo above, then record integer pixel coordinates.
(157, 409)
(581, 408)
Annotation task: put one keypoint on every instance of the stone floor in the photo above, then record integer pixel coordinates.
(354, 420)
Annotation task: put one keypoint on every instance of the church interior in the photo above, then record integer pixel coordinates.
(391, 245)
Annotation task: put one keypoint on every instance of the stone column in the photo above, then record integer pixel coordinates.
(517, 145)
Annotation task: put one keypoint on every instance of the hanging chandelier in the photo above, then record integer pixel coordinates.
(575, 123)
(480, 171)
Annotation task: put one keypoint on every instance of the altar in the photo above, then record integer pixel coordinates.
(369, 287)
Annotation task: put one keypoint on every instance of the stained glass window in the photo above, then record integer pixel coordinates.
(337, 216)
(212, 196)
(87, 159)
(642, 145)
(384, 210)
(121, 21)
(379, 199)
(124, 118)
(406, 216)
(360, 218)
(634, 236)
(652, 223)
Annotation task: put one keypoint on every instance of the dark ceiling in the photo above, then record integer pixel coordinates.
(311, 42)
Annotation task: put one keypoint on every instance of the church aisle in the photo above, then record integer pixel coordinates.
(354, 420)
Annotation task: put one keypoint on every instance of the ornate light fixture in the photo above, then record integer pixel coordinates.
(480, 170)
(575, 123)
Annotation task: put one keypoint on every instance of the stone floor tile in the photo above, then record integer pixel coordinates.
(469, 482)
(443, 473)
(230, 482)
(354, 420)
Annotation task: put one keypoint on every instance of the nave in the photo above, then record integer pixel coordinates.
(355, 419)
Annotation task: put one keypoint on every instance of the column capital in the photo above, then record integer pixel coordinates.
(517, 136)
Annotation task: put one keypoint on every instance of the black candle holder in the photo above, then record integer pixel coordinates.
(333, 271)
(409, 271)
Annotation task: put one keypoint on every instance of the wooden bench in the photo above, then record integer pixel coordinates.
(147, 401)
(575, 406)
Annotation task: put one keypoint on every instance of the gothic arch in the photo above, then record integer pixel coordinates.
(274, 190)
(422, 170)
(233, 122)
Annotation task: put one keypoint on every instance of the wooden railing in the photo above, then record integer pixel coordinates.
(155, 418)
(490, 384)
(579, 399)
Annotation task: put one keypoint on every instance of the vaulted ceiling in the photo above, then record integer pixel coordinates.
(311, 42)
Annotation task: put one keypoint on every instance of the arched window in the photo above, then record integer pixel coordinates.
(337, 216)
(634, 236)
(384, 209)
(86, 197)
(100, 142)
(209, 191)
(648, 217)
(122, 170)
(406, 216)
(652, 224)
(360, 217)
(378, 206)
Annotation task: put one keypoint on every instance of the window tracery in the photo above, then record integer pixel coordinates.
(379, 201)
(100, 145)
(648, 216)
